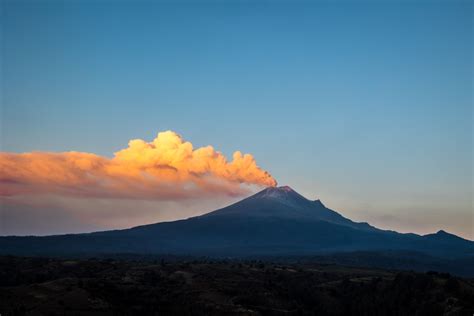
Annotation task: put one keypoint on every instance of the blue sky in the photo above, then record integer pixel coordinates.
(365, 105)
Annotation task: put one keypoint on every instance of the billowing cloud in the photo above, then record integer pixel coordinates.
(166, 168)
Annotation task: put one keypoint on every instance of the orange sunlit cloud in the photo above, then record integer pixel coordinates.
(166, 168)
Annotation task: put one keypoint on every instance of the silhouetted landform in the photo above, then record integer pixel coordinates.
(40, 286)
(273, 222)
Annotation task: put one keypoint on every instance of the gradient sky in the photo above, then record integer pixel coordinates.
(365, 105)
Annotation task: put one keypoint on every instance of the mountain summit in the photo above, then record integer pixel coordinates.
(285, 203)
(282, 194)
(274, 221)
(272, 201)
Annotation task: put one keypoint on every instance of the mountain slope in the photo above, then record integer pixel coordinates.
(284, 203)
(275, 221)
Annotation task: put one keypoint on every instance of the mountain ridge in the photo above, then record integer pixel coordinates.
(274, 221)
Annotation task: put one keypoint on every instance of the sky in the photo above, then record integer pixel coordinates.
(364, 105)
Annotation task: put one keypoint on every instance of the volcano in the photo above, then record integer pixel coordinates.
(273, 222)
(284, 203)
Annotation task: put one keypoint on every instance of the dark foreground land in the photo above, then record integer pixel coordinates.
(40, 286)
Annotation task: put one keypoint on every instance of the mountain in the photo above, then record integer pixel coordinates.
(273, 222)
(284, 203)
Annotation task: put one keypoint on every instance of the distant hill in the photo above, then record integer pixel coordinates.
(273, 222)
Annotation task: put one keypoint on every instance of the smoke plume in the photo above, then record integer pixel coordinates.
(166, 168)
